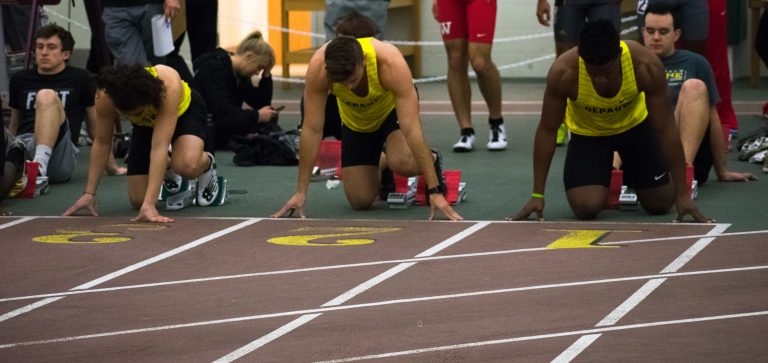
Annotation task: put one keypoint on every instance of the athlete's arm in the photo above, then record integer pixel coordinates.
(162, 133)
(315, 95)
(559, 82)
(101, 115)
(395, 76)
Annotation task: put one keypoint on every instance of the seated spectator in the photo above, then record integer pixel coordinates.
(694, 95)
(228, 81)
(48, 104)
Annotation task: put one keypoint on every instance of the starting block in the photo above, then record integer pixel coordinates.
(323, 174)
(30, 185)
(628, 197)
(328, 164)
(187, 196)
(455, 193)
(405, 193)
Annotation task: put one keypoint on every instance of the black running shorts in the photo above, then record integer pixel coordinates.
(589, 159)
(364, 148)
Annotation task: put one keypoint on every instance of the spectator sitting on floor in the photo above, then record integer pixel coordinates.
(693, 94)
(227, 81)
(49, 103)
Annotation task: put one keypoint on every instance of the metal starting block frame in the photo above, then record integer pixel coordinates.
(319, 174)
(399, 200)
(628, 198)
(187, 197)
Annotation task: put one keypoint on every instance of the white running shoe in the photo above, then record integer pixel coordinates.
(172, 181)
(497, 138)
(466, 143)
(208, 185)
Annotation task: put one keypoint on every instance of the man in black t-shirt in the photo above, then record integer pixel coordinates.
(49, 103)
(693, 92)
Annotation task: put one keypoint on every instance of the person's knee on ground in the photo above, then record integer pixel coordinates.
(657, 201)
(587, 201)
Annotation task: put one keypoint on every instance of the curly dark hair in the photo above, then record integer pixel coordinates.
(131, 87)
(598, 42)
(67, 41)
(342, 55)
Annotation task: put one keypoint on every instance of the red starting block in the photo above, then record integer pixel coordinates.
(35, 184)
(328, 163)
(455, 193)
(614, 189)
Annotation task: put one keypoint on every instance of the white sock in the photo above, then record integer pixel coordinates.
(42, 156)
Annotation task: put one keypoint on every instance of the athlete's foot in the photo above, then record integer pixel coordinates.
(115, 170)
(5, 212)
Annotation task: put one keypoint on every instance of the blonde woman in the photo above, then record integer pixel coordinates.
(227, 81)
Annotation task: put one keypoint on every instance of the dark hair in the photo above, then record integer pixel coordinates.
(342, 55)
(598, 42)
(356, 25)
(662, 8)
(67, 42)
(131, 87)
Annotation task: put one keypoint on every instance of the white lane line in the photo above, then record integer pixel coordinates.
(248, 348)
(383, 303)
(133, 267)
(576, 348)
(353, 265)
(663, 239)
(644, 291)
(691, 252)
(278, 272)
(258, 343)
(598, 331)
(631, 302)
(18, 221)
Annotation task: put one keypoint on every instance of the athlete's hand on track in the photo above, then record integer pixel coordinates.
(150, 214)
(437, 201)
(685, 207)
(87, 201)
(296, 203)
(534, 205)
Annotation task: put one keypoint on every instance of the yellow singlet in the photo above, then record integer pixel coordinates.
(147, 117)
(365, 114)
(593, 115)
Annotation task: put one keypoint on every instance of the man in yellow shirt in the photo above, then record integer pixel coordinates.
(613, 96)
(378, 105)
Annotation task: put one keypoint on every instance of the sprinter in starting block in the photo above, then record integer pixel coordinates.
(378, 105)
(165, 112)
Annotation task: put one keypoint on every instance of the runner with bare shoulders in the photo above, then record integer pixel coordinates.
(164, 111)
(379, 105)
(613, 96)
